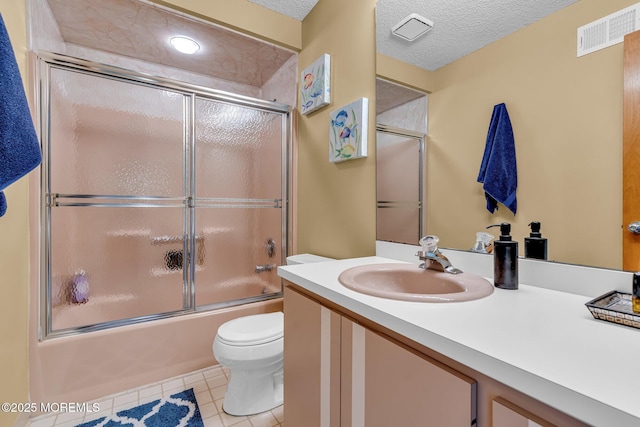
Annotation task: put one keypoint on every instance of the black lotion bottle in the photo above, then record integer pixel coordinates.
(505, 259)
(535, 246)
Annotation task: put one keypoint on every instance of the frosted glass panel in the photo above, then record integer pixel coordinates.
(398, 225)
(131, 258)
(235, 241)
(114, 138)
(238, 151)
(398, 188)
(398, 166)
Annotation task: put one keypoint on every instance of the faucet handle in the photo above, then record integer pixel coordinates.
(265, 267)
(429, 243)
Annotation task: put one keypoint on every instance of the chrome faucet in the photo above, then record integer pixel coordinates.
(433, 258)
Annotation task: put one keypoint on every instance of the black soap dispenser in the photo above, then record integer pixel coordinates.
(635, 296)
(535, 246)
(505, 259)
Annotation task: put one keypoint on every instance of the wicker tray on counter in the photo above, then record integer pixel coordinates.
(614, 307)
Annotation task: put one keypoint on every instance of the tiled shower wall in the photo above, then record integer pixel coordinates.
(410, 116)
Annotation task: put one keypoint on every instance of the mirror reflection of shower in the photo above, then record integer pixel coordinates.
(401, 127)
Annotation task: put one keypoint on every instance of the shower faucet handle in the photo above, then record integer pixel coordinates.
(265, 267)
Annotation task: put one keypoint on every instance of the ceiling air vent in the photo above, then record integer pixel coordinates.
(609, 30)
(412, 27)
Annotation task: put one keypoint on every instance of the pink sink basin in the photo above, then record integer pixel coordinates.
(408, 282)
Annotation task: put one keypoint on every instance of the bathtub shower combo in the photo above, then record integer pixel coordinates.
(158, 198)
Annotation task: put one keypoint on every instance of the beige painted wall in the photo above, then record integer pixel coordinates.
(14, 251)
(566, 114)
(406, 74)
(336, 201)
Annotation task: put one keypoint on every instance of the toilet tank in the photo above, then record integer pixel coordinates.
(306, 259)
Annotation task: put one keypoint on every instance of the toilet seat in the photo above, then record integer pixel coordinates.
(252, 330)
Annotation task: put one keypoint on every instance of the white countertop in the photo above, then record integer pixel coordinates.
(542, 342)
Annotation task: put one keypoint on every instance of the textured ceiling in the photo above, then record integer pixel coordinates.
(460, 26)
(297, 9)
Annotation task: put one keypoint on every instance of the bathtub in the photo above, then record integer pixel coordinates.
(87, 366)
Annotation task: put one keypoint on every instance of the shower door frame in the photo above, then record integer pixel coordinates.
(44, 62)
(400, 204)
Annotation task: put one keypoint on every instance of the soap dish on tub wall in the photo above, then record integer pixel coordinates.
(614, 307)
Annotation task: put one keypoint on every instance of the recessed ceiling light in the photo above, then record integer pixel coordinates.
(412, 27)
(184, 44)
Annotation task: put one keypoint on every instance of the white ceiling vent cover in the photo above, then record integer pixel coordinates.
(609, 30)
(412, 27)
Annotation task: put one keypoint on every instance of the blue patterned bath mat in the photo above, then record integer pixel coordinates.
(177, 410)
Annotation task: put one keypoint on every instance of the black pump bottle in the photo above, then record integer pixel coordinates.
(535, 246)
(505, 259)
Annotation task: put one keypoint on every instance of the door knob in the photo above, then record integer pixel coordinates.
(634, 227)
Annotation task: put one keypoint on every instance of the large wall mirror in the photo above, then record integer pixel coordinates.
(401, 125)
(566, 113)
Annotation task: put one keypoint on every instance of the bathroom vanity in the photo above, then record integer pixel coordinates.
(528, 357)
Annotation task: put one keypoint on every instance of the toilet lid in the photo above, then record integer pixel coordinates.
(252, 330)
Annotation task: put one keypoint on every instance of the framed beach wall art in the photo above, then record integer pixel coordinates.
(315, 92)
(348, 131)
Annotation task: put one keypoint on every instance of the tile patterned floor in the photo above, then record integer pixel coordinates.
(208, 384)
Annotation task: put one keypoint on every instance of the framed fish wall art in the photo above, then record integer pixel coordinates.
(348, 131)
(315, 89)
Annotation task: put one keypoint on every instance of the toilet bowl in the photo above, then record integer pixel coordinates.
(252, 348)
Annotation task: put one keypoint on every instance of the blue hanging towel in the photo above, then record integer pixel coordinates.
(498, 171)
(19, 147)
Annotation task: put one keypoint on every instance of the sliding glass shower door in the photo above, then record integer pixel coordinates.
(115, 164)
(159, 198)
(238, 199)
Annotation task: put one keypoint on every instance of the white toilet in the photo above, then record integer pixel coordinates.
(252, 348)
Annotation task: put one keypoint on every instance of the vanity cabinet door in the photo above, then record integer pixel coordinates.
(506, 414)
(385, 384)
(311, 362)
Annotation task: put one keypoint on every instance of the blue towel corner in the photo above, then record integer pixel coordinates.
(19, 146)
(498, 171)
